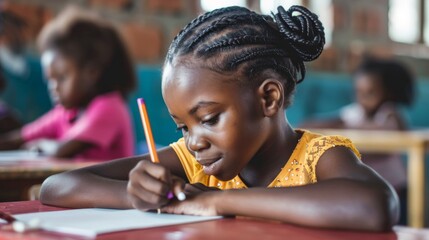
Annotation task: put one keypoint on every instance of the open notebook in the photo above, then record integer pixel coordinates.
(90, 222)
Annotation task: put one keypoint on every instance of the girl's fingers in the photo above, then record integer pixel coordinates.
(142, 199)
(151, 176)
(152, 184)
(155, 170)
(148, 184)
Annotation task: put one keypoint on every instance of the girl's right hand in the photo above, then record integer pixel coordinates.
(151, 185)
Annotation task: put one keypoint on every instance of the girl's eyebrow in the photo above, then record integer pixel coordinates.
(200, 105)
(194, 109)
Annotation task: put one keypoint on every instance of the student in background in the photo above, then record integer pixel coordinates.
(21, 69)
(382, 88)
(12, 43)
(8, 118)
(227, 78)
(90, 74)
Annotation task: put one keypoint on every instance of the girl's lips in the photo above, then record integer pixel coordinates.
(210, 165)
(207, 161)
(211, 168)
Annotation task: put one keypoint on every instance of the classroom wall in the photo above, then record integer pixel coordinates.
(148, 26)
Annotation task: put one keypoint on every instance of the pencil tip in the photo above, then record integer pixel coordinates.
(140, 100)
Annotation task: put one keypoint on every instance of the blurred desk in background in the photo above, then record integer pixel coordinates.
(16, 178)
(413, 143)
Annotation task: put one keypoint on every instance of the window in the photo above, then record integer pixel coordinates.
(426, 21)
(404, 20)
(323, 8)
(209, 5)
(268, 6)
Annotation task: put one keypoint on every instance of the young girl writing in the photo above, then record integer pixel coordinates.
(228, 76)
(89, 73)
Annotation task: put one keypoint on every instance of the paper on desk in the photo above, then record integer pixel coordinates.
(90, 222)
(18, 155)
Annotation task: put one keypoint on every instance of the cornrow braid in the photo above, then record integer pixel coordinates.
(254, 54)
(237, 40)
(194, 24)
(219, 25)
(241, 40)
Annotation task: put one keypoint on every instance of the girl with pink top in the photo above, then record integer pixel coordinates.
(90, 74)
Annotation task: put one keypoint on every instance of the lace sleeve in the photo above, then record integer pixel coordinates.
(320, 145)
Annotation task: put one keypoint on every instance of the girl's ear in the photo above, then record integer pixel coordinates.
(271, 93)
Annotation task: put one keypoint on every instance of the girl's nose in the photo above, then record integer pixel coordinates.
(197, 143)
(52, 85)
(53, 90)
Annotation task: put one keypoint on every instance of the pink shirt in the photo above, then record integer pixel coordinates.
(106, 123)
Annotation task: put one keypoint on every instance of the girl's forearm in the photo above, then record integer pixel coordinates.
(342, 204)
(84, 190)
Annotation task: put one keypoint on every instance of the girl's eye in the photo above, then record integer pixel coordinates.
(60, 78)
(211, 121)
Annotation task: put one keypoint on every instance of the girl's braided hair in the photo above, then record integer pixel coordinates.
(235, 39)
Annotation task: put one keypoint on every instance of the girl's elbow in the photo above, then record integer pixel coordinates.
(47, 191)
(54, 191)
(385, 211)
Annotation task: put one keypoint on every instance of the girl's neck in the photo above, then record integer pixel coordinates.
(273, 155)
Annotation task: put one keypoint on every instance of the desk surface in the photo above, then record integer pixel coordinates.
(16, 178)
(238, 228)
(43, 167)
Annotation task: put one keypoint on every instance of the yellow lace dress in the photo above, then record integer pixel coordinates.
(300, 169)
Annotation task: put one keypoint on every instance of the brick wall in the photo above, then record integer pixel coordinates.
(148, 26)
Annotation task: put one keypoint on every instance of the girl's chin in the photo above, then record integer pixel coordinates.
(211, 170)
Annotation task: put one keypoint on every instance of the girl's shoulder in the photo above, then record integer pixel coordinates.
(314, 145)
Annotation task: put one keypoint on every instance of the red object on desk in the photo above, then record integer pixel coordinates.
(228, 228)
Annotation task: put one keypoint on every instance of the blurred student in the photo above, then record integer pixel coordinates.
(8, 118)
(12, 43)
(382, 88)
(21, 69)
(90, 74)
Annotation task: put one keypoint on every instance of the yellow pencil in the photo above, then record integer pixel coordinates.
(151, 143)
(147, 130)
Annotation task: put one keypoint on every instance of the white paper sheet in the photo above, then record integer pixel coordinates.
(18, 155)
(90, 222)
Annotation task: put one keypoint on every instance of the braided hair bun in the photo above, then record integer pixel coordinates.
(303, 33)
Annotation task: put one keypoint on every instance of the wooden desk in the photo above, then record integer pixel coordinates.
(17, 177)
(414, 143)
(218, 229)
